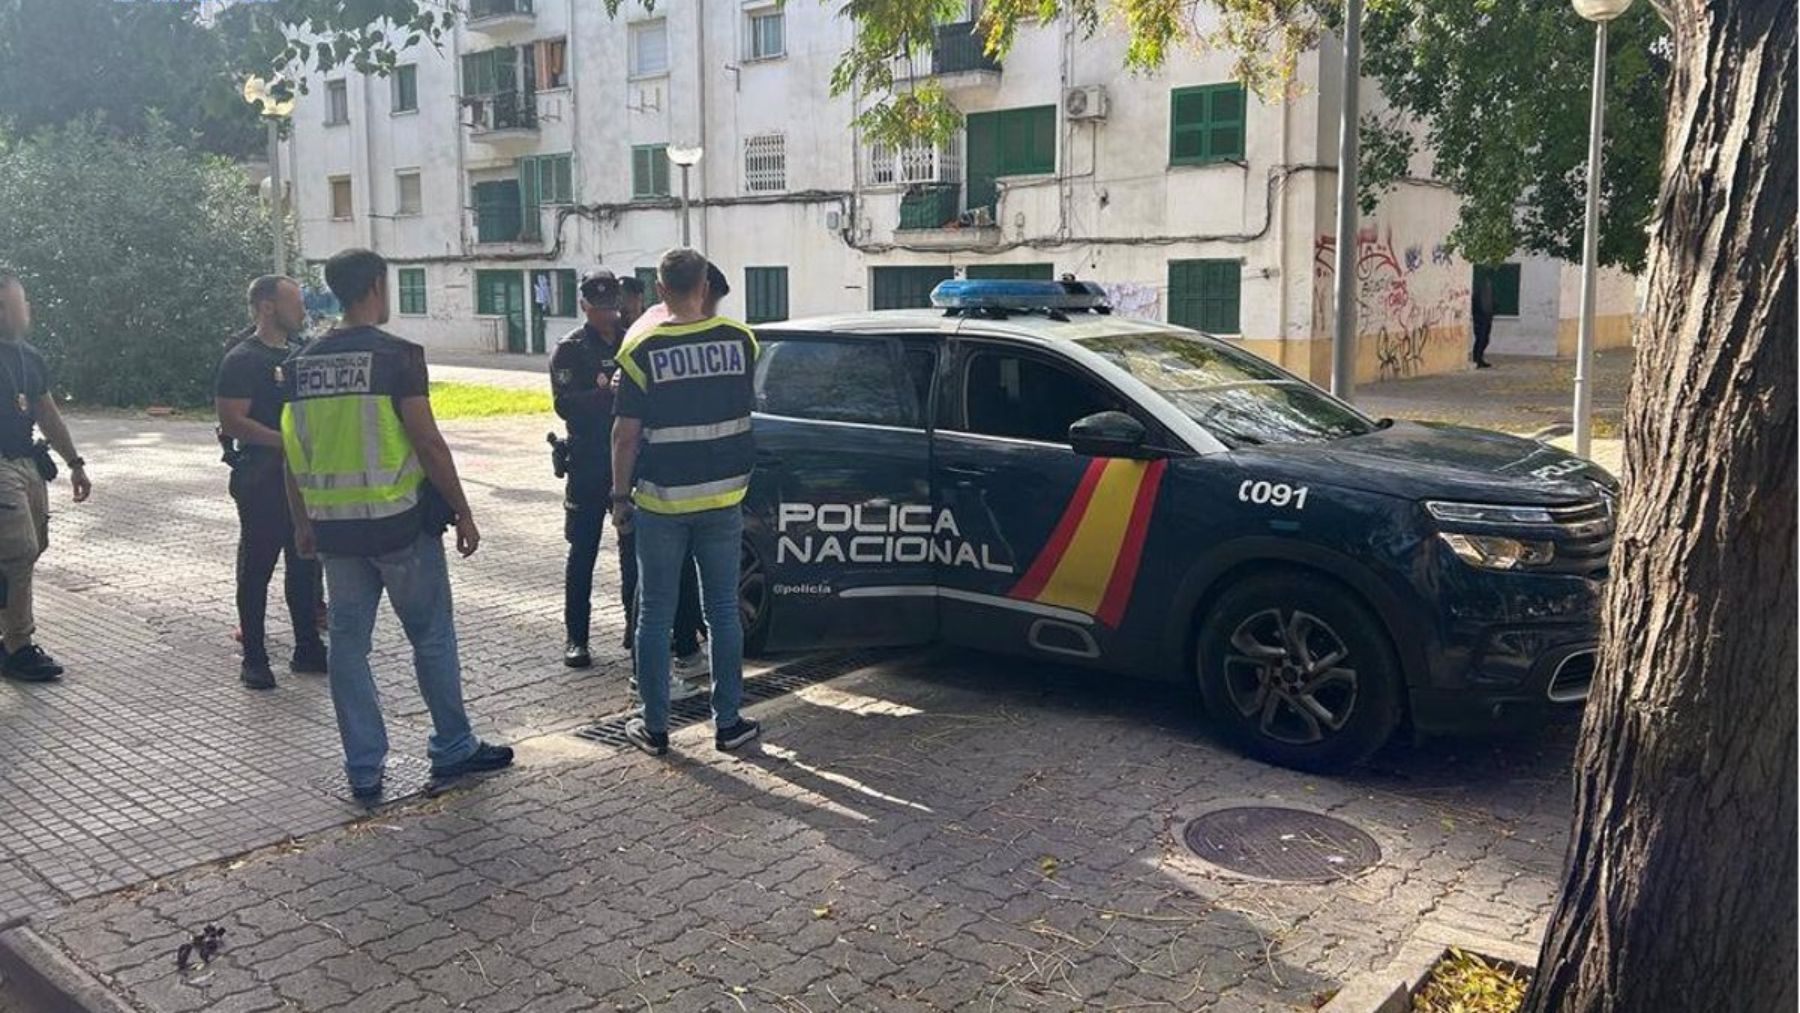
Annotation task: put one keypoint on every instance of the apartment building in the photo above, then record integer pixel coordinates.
(534, 145)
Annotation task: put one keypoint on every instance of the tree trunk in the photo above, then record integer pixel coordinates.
(1680, 887)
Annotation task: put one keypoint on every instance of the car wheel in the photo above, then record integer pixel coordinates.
(1298, 672)
(753, 599)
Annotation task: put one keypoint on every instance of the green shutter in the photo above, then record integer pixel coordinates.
(650, 171)
(899, 288)
(766, 294)
(497, 211)
(406, 88)
(564, 170)
(1206, 124)
(982, 150)
(530, 198)
(1010, 272)
(412, 290)
(566, 293)
(1205, 294)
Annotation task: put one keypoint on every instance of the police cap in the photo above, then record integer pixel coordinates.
(599, 288)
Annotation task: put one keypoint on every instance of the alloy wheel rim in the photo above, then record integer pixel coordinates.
(1286, 671)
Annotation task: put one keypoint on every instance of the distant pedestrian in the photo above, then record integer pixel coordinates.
(248, 396)
(631, 301)
(1481, 313)
(682, 456)
(25, 404)
(373, 487)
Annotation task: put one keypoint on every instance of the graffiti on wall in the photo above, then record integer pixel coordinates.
(1399, 300)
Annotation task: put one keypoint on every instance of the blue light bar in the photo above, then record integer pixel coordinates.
(963, 294)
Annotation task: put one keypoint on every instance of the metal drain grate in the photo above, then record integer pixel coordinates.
(775, 682)
(401, 777)
(1282, 844)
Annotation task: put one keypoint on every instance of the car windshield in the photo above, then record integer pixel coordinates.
(1232, 394)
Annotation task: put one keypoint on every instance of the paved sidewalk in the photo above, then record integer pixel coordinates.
(1520, 394)
(149, 757)
(939, 833)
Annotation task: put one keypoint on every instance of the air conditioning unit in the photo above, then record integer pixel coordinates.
(1085, 103)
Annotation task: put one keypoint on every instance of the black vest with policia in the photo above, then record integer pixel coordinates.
(693, 387)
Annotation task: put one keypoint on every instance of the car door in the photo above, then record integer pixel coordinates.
(838, 515)
(1046, 542)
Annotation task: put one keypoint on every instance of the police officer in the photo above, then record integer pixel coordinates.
(25, 403)
(581, 384)
(682, 456)
(372, 486)
(248, 395)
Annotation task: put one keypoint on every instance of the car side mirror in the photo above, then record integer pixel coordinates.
(1110, 434)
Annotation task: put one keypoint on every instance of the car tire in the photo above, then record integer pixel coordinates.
(1273, 678)
(754, 600)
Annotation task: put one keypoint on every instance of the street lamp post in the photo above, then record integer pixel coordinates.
(1600, 12)
(687, 158)
(257, 92)
(1343, 339)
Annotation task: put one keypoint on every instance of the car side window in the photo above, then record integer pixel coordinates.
(1026, 398)
(921, 370)
(831, 381)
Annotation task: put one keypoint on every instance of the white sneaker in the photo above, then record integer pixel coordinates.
(693, 667)
(679, 689)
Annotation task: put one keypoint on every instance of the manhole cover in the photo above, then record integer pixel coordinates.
(401, 777)
(1288, 845)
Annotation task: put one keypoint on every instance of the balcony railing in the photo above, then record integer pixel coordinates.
(930, 205)
(489, 10)
(503, 112)
(957, 48)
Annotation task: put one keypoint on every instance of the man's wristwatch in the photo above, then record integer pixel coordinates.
(77, 462)
(621, 497)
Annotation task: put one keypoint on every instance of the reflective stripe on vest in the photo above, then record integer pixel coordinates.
(695, 434)
(687, 499)
(351, 457)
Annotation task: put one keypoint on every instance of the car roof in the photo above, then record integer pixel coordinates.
(1030, 327)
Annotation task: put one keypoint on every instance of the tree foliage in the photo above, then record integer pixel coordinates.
(127, 64)
(135, 253)
(1502, 92)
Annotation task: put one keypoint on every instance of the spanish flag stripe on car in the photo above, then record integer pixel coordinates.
(1092, 556)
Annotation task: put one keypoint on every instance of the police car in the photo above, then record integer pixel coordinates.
(1020, 471)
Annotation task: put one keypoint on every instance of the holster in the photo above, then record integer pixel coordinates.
(40, 456)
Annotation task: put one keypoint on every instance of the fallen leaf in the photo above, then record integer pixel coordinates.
(822, 912)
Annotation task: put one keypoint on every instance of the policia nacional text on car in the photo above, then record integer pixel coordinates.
(682, 455)
(372, 486)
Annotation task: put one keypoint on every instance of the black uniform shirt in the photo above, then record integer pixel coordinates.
(253, 370)
(23, 379)
(581, 372)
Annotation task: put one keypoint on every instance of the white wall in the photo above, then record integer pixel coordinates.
(1115, 212)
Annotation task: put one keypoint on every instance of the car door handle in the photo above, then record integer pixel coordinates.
(965, 471)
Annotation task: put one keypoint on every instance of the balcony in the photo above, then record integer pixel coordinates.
(958, 59)
(493, 16)
(930, 206)
(505, 116)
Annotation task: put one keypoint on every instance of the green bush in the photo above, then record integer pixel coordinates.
(135, 254)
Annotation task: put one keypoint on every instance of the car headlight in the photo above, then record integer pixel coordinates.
(1494, 552)
(1485, 513)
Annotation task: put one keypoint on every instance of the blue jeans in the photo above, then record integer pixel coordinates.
(417, 582)
(715, 538)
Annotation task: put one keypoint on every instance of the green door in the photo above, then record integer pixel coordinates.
(502, 294)
(1010, 272)
(906, 288)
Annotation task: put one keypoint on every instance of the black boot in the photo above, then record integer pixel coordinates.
(575, 655)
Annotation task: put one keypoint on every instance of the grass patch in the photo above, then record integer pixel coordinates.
(478, 401)
(1465, 983)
